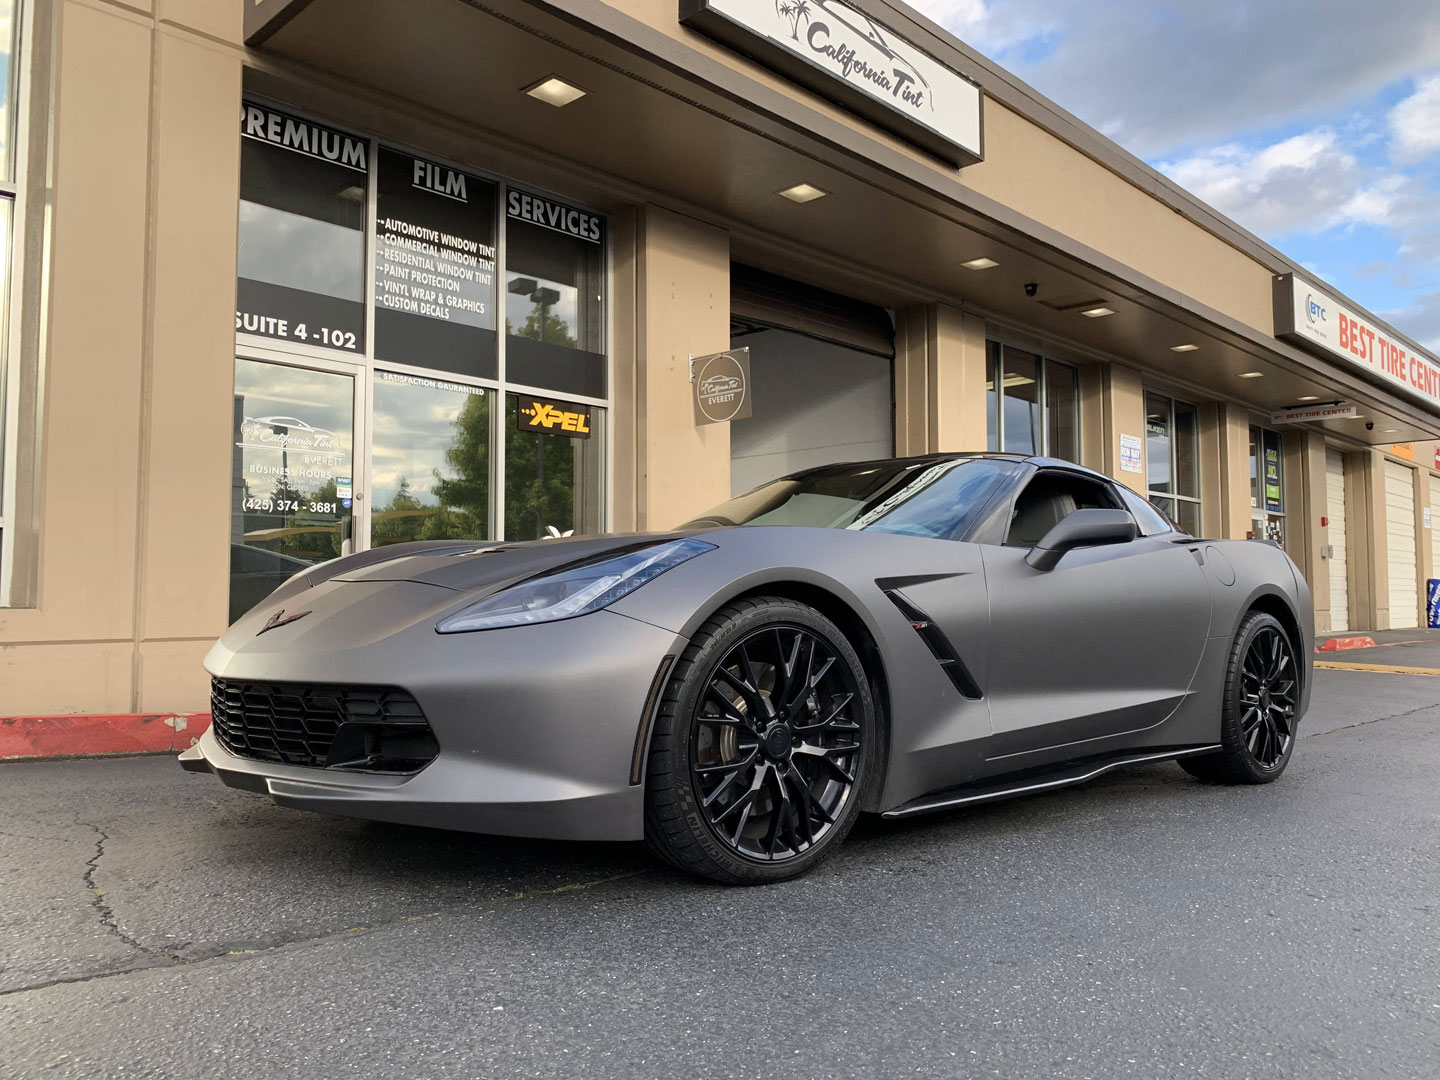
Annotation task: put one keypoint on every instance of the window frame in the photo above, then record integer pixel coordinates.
(364, 364)
(994, 374)
(13, 191)
(1195, 500)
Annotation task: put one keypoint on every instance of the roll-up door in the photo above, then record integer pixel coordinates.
(1400, 545)
(766, 299)
(1434, 526)
(1335, 511)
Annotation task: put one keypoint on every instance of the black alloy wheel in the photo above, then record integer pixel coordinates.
(763, 745)
(773, 747)
(1261, 707)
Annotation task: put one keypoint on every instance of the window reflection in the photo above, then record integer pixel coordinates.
(430, 471)
(1021, 385)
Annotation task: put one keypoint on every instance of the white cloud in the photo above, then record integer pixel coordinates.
(1157, 77)
(1415, 122)
(1420, 319)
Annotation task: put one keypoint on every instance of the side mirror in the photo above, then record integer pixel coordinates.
(1082, 528)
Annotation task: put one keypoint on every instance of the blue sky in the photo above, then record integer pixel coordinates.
(1314, 124)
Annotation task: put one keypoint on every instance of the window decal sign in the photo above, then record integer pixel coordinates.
(434, 266)
(845, 55)
(721, 383)
(549, 214)
(1130, 451)
(302, 136)
(550, 417)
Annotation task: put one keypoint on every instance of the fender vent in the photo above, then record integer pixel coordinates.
(939, 646)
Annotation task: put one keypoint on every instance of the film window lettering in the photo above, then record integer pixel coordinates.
(301, 262)
(435, 280)
(554, 295)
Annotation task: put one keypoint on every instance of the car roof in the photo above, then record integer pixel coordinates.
(1036, 460)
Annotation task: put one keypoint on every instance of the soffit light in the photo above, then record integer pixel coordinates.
(1252, 375)
(1097, 312)
(1184, 348)
(803, 193)
(1309, 397)
(554, 90)
(980, 264)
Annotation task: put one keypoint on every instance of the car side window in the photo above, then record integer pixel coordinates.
(1048, 499)
(1150, 520)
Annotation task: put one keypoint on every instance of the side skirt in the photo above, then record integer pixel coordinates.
(1065, 775)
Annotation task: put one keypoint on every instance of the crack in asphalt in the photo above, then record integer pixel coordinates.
(157, 960)
(1375, 720)
(97, 897)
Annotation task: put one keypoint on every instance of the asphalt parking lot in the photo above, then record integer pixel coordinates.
(155, 924)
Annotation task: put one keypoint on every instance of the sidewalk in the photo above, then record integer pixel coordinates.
(1403, 650)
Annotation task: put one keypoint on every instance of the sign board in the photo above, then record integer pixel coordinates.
(1302, 413)
(1308, 316)
(1403, 450)
(1273, 499)
(844, 55)
(549, 417)
(1130, 448)
(721, 386)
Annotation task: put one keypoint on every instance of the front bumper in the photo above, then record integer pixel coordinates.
(536, 725)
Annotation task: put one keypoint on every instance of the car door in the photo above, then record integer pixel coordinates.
(1104, 645)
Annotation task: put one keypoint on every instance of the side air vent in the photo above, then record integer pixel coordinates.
(939, 646)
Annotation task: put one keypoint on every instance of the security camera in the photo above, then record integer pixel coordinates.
(1369, 425)
(1032, 288)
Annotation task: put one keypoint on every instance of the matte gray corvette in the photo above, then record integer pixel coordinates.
(891, 636)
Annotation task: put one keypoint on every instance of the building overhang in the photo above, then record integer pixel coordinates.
(667, 121)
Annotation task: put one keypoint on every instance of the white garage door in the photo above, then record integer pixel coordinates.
(1335, 511)
(1435, 526)
(1400, 545)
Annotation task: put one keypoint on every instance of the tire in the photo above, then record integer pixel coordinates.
(1259, 716)
(765, 741)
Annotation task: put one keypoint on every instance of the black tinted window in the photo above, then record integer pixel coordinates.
(938, 499)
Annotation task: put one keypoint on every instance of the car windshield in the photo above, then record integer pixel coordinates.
(938, 499)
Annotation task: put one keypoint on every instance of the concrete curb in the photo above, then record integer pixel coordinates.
(35, 737)
(1338, 644)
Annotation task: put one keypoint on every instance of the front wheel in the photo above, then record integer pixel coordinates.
(764, 742)
(1261, 710)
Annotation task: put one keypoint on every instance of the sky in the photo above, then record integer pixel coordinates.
(1315, 125)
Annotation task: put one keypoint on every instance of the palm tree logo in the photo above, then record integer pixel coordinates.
(794, 11)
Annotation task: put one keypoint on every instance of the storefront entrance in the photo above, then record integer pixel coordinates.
(821, 367)
(386, 388)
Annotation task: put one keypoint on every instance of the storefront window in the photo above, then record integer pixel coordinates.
(291, 490)
(555, 301)
(434, 266)
(430, 460)
(303, 191)
(1014, 421)
(11, 12)
(553, 467)
(1267, 485)
(407, 374)
(1172, 459)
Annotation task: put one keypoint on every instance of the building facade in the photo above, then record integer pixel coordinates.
(291, 279)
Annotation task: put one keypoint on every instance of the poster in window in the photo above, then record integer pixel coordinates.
(434, 266)
(1272, 479)
(301, 262)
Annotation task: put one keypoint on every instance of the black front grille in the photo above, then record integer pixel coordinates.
(377, 729)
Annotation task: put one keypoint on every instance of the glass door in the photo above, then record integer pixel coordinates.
(293, 476)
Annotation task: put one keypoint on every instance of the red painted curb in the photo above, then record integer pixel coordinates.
(1336, 644)
(70, 736)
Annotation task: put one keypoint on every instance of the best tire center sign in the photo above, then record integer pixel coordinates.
(1308, 316)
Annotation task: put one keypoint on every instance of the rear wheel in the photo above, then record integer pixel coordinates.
(1262, 697)
(764, 742)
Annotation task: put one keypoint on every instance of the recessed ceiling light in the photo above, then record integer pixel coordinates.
(1252, 374)
(1097, 312)
(803, 193)
(979, 264)
(555, 91)
(1308, 397)
(1389, 431)
(1184, 348)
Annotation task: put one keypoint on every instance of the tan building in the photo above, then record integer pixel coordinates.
(289, 279)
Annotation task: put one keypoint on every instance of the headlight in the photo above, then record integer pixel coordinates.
(577, 591)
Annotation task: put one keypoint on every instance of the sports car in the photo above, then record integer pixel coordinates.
(895, 637)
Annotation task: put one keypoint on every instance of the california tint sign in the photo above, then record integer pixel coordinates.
(847, 56)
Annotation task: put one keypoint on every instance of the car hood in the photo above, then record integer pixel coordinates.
(476, 566)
